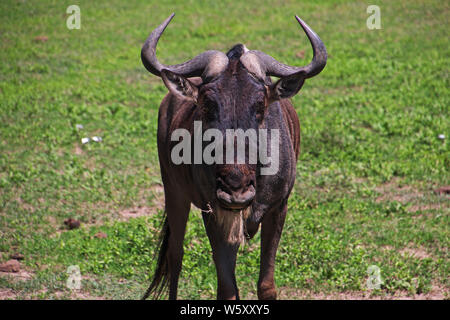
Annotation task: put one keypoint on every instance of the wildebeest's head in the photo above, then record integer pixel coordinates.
(234, 93)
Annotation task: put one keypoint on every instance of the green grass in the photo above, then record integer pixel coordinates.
(370, 158)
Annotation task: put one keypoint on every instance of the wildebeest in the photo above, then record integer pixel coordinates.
(222, 92)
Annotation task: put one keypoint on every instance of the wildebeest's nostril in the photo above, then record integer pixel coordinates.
(245, 197)
(240, 198)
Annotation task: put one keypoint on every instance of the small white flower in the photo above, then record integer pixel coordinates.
(441, 136)
(97, 139)
(79, 126)
(84, 140)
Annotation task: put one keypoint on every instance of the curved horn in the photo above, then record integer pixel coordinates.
(278, 69)
(191, 68)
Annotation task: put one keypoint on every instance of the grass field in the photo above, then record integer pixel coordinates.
(370, 158)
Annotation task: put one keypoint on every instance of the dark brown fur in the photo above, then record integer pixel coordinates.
(234, 95)
(242, 102)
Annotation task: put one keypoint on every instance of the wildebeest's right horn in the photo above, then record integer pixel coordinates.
(278, 69)
(192, 68)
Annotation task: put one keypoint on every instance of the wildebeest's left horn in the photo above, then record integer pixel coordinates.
(278, 69)
(192, 68)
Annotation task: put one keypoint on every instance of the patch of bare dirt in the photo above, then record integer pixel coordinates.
(78, 150)
(101, 235)
(443, 190)
(411, 251)
(135, 212)
(22, 275)
(157, 192)
(14, 269)
(6, 294)
(393, 191)
(425, 207)
(418, 253)
(84, 296)
(436, 293)
(10, 266)
(40, 38)
(24, 205)
(14, 274)
(413, 199)
(72, 295)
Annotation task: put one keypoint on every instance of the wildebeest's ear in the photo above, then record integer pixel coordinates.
(179, 85)
(287, 87)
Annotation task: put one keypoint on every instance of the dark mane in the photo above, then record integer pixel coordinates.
(236, 52)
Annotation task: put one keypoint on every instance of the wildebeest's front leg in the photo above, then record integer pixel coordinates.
(177, 209)
(224, 255)
(271, 228)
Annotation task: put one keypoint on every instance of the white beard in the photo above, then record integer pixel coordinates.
(232, 224)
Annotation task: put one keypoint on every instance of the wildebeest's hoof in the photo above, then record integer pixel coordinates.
(267, 292)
